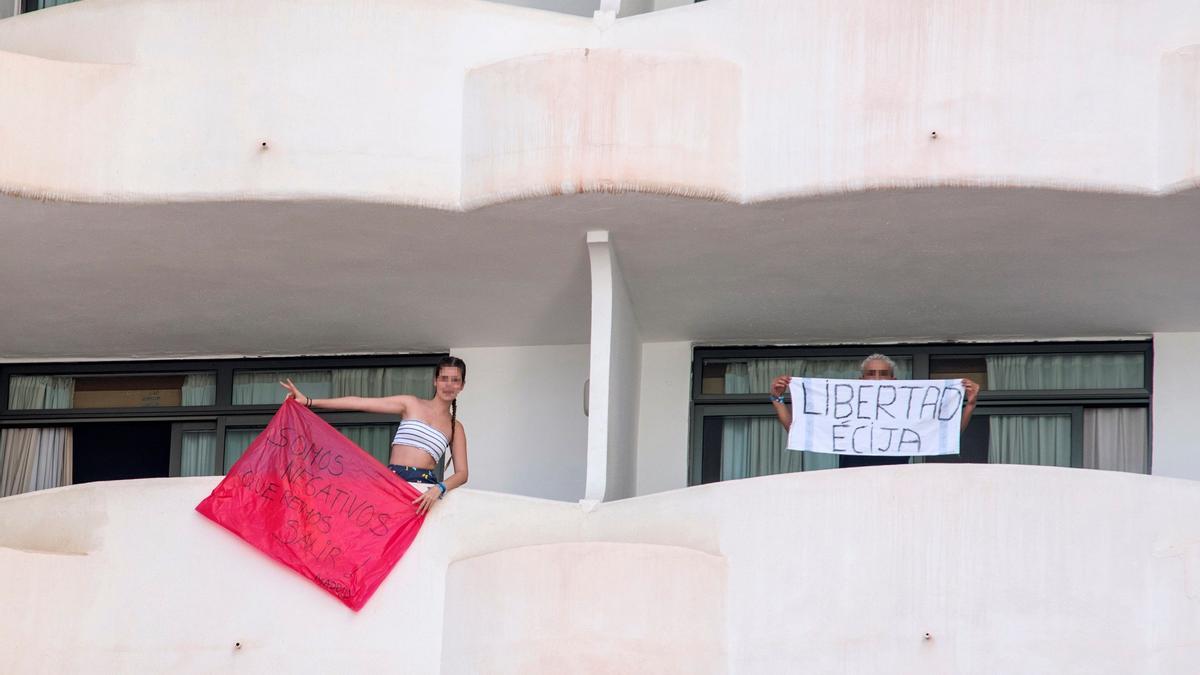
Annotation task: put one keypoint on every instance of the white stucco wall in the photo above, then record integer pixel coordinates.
(1176, 397)
(624, 393)
(1009, 569)
(523, 412)
(663, 419)
(576, 7)
(588, 7)
(829, 97)
(668, 617)
(578, 101)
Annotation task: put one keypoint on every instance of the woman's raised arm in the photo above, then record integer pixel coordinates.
(387, 405)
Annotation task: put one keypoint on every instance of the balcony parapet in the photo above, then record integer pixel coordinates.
(916, 568)
(454, 104)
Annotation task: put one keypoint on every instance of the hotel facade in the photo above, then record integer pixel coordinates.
(627, 224)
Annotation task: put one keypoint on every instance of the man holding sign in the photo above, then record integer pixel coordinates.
(856, 417)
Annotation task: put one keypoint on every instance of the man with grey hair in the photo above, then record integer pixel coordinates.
(875, 367)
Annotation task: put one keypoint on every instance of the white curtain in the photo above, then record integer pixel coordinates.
(20, 447)
(1019, 372)
(41, 457)
(198, 453)
(262, 388)
(1115, 439)
(35, 459)
(199, 389)
(1043, 440)
(55, 457)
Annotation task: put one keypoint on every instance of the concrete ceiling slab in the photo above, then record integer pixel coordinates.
(264, 278)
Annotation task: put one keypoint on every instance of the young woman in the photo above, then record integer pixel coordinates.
(428, 428)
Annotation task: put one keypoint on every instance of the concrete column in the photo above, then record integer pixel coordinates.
(1175, 399)
(666, 396)
(615, 372)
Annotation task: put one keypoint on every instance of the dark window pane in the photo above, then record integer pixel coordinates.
(121, 450)
(958, 367)
(972, 445)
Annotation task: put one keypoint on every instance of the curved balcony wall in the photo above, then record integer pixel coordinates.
(1006, 568)
(415, 102)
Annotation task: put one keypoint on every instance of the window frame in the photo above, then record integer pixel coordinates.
(222, 369)
(1028, 402)
(921, 354)
(221, 415)
(178, 429)
(32, 6)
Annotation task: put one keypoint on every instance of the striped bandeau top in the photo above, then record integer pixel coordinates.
(418, 434)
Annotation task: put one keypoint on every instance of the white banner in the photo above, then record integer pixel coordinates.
(876, 417)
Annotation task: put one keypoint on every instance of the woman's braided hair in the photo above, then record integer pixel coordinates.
(451, 362)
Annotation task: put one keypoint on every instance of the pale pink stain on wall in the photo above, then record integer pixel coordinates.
(586, 120)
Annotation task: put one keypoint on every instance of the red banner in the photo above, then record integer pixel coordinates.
(308, 497)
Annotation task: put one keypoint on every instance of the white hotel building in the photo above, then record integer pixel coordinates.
(626, 217)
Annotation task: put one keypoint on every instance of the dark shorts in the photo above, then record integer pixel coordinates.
(414, 474)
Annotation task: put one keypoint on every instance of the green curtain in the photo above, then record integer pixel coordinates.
(40, 392)
(376, 439)
(262, 388)
(1043, 440)
(1021, 372)
(763, 371)
(754, 376)
(236, 442)
(198, 453)
(757, 446)
(414, 380)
